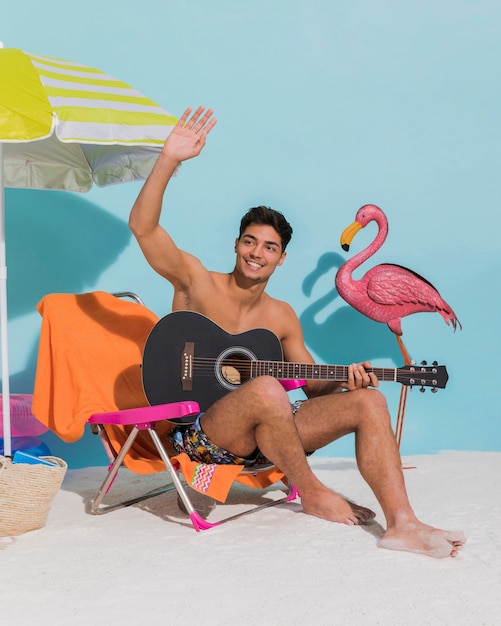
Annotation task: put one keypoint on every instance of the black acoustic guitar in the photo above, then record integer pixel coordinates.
(187, 356)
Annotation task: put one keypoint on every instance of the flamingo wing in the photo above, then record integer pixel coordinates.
(396, 285)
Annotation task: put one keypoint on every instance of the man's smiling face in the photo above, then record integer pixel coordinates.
(259, 252)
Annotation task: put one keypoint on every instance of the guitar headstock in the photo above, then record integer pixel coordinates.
(424, 375)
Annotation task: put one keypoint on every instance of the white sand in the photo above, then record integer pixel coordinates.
(146, 565)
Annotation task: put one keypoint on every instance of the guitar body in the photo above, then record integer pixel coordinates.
(217, 363)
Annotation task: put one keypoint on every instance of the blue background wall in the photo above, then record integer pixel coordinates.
(323, 106)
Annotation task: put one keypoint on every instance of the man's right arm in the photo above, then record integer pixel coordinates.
(185, 141)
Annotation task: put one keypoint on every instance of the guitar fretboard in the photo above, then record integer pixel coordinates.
(314, 371)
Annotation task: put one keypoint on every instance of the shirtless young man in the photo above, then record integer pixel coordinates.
(257, 415)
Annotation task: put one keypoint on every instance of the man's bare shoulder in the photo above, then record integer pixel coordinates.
(198, 276)
(279, 317)
(219, 278)
(280, 306)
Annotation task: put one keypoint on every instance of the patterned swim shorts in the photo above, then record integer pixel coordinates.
(192, 440)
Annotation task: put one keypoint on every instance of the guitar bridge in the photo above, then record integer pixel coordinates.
(187, 366)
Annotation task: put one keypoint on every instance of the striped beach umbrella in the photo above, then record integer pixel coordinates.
(67, 126)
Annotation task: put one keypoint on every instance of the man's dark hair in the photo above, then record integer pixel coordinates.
(269, 217)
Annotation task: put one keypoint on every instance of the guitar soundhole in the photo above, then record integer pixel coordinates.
(233, 367)
(236, 369)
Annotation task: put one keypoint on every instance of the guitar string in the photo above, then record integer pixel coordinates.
(207, 363)
(247, 360)
(210, 361)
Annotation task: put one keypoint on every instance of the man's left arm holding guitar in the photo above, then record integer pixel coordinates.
(294, 349)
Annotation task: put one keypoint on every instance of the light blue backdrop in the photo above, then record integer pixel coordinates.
(323, 106)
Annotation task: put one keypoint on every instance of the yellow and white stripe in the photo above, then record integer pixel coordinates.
(42, 95)
(68, 126)
(85, 99)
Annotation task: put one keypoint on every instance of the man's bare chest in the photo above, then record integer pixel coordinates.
(229, 312)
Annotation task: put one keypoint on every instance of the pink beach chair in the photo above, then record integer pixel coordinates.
(89, 374)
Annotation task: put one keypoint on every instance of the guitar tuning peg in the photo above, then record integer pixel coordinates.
(413, 362)
(434, 390)
(435, 363)
(421, 389)
(424, 363)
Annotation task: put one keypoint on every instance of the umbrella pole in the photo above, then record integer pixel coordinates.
(3, 320)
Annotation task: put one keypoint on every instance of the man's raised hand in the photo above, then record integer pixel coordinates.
(188, 136)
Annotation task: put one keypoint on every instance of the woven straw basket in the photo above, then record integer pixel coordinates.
(26, 494)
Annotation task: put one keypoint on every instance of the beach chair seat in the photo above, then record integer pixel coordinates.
(89, 375)
(144, 419)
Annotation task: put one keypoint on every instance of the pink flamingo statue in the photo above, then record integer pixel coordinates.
(387, 293)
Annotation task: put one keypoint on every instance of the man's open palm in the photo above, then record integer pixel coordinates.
(188, 137)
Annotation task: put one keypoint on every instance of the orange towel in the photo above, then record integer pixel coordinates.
(89, 361)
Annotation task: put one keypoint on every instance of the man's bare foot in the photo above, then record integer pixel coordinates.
(423, 539)
(334, 508)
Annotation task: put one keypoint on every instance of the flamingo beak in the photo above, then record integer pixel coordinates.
(348, 234)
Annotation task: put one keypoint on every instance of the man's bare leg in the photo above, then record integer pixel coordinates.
(259, 415)
(364, 412)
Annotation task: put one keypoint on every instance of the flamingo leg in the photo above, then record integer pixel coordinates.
(401, 415)
(403, 350)
(403, 396)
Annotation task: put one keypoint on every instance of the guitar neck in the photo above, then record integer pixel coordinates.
(313, 371)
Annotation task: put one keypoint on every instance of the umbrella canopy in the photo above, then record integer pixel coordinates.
(67, 126)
